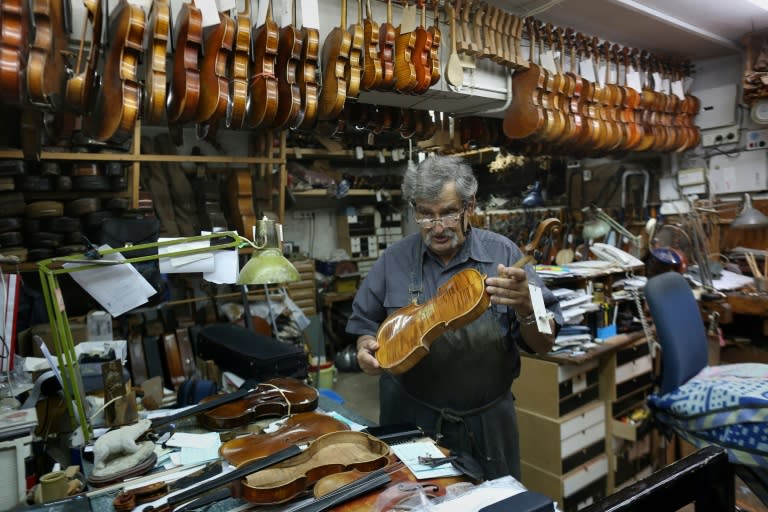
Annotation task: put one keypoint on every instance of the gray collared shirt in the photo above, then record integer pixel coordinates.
(385, 289)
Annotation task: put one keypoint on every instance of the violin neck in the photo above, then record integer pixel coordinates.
(246, 388)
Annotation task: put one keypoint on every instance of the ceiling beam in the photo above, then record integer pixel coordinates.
(677, 23)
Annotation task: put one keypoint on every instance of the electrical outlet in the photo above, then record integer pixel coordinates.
(586, 174)
(757, 139)
(718, 136)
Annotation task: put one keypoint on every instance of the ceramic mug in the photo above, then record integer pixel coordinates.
(53, 486)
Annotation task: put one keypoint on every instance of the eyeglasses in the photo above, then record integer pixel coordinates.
(450, 220)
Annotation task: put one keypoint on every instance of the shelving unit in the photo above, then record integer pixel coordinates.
(276, 155)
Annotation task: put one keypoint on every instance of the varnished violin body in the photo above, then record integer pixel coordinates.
(306, 79)
(372, 72)
(238, 84)
(118, 102)
(262, 105)
(328, 454)
(402, 491)
(13, 50)
(158, 31)
(405, 70)
(46, 66)
(185, 87)
(78, 91)
(288, 93)
(275, 397)
(405, 336)
(335, 61)
(353, 72)
(387, 51)
(214, 82)
(302, 427)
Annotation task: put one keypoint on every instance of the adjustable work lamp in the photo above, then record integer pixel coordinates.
(266, 266)
(600, 224)
(261, 269)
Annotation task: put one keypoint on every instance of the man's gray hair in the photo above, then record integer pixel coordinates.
(425, 181)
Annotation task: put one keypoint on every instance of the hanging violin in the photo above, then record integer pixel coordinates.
(156, 49)
(238, 85)
(214, 81)
(13, 48)
(184, 90)
(79, 88)
(46, 65)
(118, 100)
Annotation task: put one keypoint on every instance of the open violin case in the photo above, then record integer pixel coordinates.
(250, 355)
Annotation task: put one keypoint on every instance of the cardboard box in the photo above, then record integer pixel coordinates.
(576, 489)
(27, 347)
(552, 389)
(562, 444)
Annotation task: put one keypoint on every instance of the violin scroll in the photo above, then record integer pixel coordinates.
(547, 228)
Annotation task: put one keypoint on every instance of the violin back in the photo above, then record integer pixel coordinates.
(405, 336)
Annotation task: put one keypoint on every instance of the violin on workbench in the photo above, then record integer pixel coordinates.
(298, 428)
(401, 492)
(276, 397)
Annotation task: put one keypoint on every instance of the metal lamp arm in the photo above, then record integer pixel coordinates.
(634, 239)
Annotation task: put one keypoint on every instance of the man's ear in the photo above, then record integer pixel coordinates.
(471, 206)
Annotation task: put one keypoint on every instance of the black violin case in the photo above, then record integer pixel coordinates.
(250, 355)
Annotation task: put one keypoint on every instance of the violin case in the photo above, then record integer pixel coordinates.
(250, 355)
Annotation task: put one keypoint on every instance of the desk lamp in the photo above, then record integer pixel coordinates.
(750, 217)
(266, 266)
(600, 224)
(49, 271)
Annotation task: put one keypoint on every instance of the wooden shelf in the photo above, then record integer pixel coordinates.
(354, 192)
(130, 157)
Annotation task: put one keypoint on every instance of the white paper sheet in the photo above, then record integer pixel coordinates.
(409, 453)
(117, 288)
(203, 262)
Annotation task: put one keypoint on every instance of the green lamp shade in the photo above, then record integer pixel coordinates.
(268, 267)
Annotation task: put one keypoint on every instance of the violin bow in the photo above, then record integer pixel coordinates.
(172, 500)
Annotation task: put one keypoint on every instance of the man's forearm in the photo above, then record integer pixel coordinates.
(538, 341)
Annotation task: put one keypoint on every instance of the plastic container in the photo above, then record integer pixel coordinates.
(322, 376)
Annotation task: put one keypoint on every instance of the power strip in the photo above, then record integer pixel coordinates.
(718, 136)
(757, 139)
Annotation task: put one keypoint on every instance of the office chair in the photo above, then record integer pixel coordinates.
(724, 406)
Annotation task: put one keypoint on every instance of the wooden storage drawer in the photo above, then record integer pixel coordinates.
(552, 389)
(573, 491)
(560, 445)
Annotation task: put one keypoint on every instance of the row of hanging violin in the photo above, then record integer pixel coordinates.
(607, 99)
(376, 127)
(234, 73)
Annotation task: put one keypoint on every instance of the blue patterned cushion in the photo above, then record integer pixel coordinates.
(723, 405)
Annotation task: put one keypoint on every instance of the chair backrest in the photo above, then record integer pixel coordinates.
(679, 328)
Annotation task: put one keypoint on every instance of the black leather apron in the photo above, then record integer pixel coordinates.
(460, 392)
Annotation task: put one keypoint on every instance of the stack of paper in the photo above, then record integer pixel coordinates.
(16, 423)
(573, 304)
